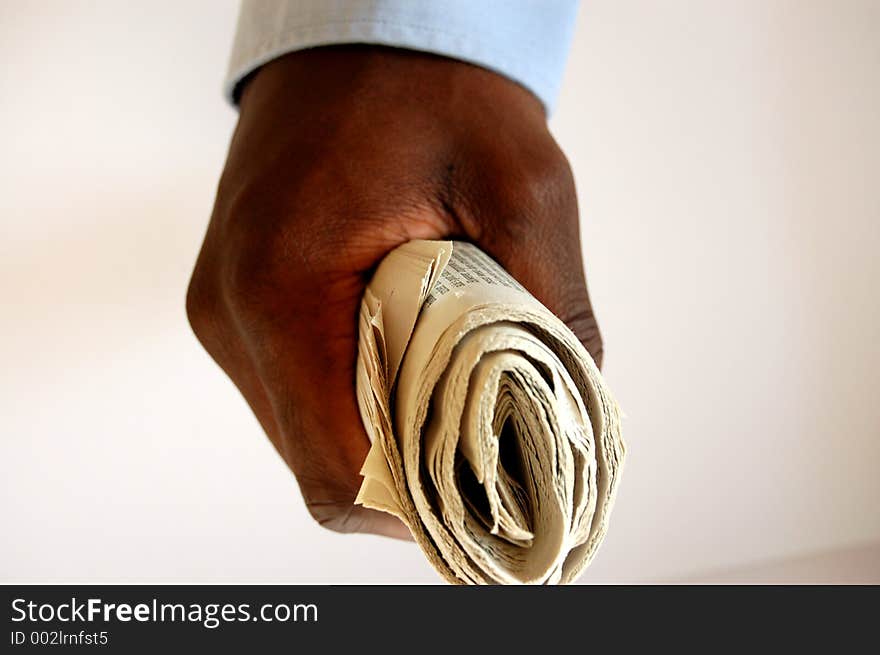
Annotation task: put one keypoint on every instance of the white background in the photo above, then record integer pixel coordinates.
(728, 162)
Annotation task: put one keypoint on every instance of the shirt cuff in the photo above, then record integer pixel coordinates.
(524, 40)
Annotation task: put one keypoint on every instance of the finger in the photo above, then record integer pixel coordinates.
(349, 518)
(557, 281)
(214, 326)
(305, 354)
(524, 213)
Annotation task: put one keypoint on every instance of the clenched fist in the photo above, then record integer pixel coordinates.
(340, 155)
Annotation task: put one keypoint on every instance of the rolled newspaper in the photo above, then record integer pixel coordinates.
(494, 437)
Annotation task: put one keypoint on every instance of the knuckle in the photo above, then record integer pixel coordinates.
(201, 303)
(207, 316)
(254, 235)
(247, 274)
(258, 267)
(335, 517)
(272, 251)
(329, 490)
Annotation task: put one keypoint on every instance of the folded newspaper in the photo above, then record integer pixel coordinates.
(494, 437)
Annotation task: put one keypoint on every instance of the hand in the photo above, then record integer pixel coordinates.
(340, 155)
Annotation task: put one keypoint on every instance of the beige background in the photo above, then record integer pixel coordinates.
(728, 162)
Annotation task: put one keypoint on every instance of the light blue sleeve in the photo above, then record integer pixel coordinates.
(525, 40)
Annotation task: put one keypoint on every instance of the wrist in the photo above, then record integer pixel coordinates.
(346, 77)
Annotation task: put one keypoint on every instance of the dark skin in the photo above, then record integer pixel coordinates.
(340, 155)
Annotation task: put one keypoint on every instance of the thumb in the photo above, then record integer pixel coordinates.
(529, 225)
(556, 279)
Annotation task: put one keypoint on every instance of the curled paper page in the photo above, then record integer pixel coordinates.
(494, 436)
